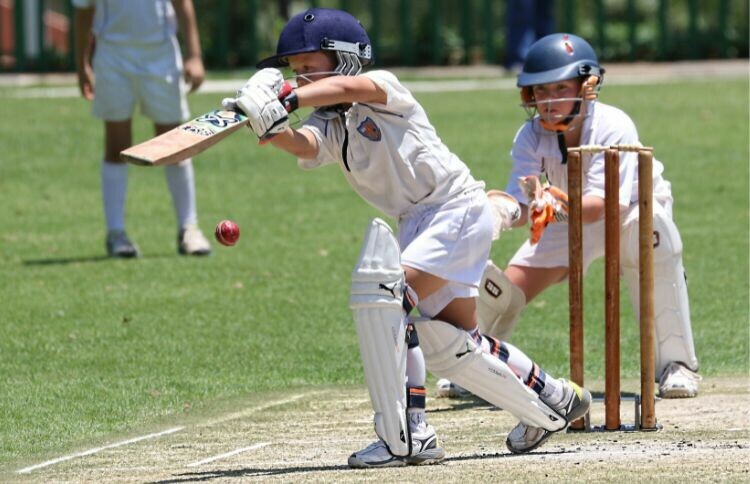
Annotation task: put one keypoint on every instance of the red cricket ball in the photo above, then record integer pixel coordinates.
(227, 232)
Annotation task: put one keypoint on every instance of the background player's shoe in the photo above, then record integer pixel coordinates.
(191, 241)
(424, 451)
(678, 381)
(119, 245)
(574, 405)
(447, 389)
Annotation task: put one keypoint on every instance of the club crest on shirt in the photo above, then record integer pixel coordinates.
(369, 130)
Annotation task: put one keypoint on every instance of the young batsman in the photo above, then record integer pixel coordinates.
(134, 57)
(559, 84)
(373, 129)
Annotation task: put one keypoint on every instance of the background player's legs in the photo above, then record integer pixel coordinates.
(114, 179)
(181, 182)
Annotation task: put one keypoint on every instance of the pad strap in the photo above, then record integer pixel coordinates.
(417, 396)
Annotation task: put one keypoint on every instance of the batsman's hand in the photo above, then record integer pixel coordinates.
(505, 209)
(269, 78)
(547, 204)
(266, 115)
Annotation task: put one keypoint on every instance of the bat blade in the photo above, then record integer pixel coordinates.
(186, 140)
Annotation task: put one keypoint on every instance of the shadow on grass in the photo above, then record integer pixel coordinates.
(90, 259)
(288, 471)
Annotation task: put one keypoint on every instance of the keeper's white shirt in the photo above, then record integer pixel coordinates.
(133, 22)
(390, 153)
(536, 151)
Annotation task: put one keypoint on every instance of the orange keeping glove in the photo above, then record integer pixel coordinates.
(547, 204)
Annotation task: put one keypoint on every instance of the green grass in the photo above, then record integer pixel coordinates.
(91, 346)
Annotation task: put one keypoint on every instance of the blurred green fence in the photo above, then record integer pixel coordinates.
(36, 35)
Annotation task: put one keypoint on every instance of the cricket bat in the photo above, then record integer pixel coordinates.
(189, 138)
(186, 140)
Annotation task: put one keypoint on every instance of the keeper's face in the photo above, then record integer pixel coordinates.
(556, 99)
(312, 66)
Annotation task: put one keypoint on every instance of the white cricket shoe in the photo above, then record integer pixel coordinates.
(678, 381)
(424, 451)
(574, 405)
(191, 241)
(447, 389)
(119, 245)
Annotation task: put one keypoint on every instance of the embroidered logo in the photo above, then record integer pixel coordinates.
(568, 45)
(369, 130)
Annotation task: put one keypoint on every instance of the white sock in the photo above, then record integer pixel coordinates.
(416, 417)
(182, 187)
(114, 188)
(553, 393)
(524, 367)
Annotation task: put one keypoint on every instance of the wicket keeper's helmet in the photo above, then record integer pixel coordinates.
(324, 29)
(559, 57)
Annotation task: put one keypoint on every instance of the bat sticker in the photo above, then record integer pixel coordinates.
(213, 122)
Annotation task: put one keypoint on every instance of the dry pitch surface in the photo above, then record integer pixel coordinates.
(309, 434)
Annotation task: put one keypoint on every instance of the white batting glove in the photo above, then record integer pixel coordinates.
(266, 115)
(229, 103)
(505, 209)
(269, 77)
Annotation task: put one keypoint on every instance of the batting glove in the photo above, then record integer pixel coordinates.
(269, 77)
(265, 78)
(266, 115)
(505, 209)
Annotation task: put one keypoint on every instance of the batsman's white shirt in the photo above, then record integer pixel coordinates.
(536, 151)
(390, 154)
(393, 158)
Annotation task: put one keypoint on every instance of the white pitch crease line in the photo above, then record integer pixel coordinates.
(250, 411)
(27, 470)
(229, 454)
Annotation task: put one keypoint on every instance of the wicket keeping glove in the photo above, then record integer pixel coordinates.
(547, 204)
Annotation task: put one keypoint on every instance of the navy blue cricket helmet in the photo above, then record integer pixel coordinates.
(324, 29)
(559, 57)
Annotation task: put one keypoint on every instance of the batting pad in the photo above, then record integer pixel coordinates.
(376, 302)
(451, 353)
(672, 326)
